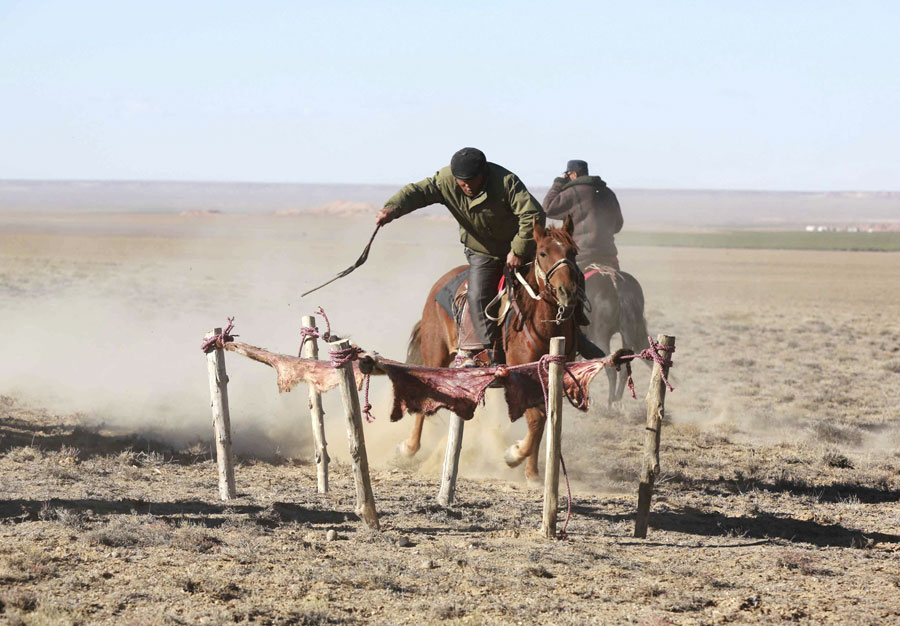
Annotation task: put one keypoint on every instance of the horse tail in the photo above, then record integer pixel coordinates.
(414, 349)
(633, 325)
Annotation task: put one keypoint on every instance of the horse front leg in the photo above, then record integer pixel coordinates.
(623, 380)
(528, 446)
(620, 386)
(603, 342)
(409, 446)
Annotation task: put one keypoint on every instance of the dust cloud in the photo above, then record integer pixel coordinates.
(105, 317)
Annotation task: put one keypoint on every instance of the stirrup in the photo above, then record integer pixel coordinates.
(493, 361)
(485, 358)
(463, 360)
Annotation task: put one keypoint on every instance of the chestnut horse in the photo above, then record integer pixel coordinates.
(552, 278)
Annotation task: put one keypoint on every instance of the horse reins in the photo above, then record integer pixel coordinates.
(541, 275)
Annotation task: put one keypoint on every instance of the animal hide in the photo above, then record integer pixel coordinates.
(425, 390)
(292, 370)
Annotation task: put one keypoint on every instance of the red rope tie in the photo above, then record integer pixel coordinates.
(310, 331)
(343, 356)
(544, 369)
(219, 341)
(327, 335)
(650, 354)
(307, 332)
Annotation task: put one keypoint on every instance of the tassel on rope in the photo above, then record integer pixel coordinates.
(219, 341)
(650, 354)
(308, 331)
(348, 355)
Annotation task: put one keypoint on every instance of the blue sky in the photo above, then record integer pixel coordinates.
(721, 95)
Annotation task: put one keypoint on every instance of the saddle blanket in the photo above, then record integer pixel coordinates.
(452, 299)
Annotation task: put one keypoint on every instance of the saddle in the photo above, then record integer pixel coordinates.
(453, 300)
(603, 270)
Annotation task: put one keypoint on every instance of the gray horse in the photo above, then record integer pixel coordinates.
(616, 303)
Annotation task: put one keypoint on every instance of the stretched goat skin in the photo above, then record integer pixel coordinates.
(292, 370)
(419, 389)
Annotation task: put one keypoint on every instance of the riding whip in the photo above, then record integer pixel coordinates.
(362, 259)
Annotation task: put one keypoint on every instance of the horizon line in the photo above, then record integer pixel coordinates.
(398, 186)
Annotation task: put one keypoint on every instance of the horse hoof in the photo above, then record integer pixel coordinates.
(405, 450)
(512, 457)
(533, 479)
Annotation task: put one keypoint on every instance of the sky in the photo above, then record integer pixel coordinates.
(671, 95)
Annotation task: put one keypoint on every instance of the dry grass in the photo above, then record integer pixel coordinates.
(131, 531)
(833, 458)
(778, 499)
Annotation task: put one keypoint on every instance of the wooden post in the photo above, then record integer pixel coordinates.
(554, 436)
(316, 414)
(451, 461)
(365, 500)
(656, 407)
(218, 391)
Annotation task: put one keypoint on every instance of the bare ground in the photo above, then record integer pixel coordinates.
(781, 451)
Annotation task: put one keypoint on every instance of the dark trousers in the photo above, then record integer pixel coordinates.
(484, 275)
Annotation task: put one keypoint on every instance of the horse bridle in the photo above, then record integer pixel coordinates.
(545, 277)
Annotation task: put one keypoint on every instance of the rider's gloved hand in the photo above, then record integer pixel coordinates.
(384, 216)
(513, 261)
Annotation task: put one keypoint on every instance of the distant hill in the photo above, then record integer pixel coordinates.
(177, 197)
(643, 208)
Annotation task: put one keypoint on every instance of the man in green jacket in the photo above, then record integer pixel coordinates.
(496, 216)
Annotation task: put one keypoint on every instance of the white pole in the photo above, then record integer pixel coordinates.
(656, 410)
(451, 461)
(365, 500)
(218, 391)
(316, 413)
(554, 436)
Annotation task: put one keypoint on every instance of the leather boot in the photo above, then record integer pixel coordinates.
(587, 348)
(581, 317)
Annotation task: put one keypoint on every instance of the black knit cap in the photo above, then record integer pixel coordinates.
(578, 166)
(467, 163)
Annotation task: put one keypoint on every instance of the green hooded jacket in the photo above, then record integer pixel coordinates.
(499, 219)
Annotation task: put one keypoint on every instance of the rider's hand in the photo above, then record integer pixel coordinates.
(383, 217)
(513, 261)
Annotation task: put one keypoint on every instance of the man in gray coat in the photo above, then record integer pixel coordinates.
(594, 209)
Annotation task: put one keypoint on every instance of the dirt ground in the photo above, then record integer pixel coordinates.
(780, 453)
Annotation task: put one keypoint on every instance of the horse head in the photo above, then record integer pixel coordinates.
(554, 265)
